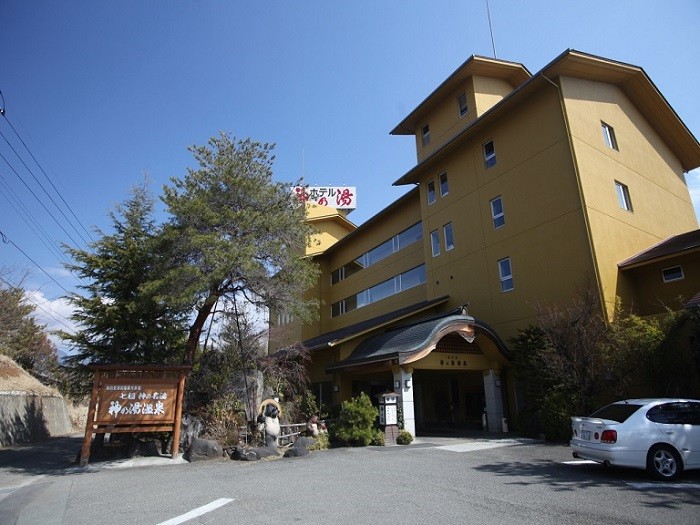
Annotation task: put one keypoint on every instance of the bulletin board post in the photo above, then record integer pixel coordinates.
(135, 399)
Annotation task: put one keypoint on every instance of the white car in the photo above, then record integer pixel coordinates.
(660, 435)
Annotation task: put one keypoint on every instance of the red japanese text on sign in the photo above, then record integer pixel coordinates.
(340, 197)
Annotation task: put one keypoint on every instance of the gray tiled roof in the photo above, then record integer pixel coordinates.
(326, 340)
(404, 340)
(410, 338)
(677, 244)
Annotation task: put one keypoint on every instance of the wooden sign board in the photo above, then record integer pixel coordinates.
(135, 402)
(135, 399)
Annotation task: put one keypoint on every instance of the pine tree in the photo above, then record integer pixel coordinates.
(234, 231)
(119, 320)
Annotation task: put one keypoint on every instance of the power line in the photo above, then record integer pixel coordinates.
(47, 176)
(39, 200)
(9, 241)
(26, 215)
(43, 188)
(40, 307)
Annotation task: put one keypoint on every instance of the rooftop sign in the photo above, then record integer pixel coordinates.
(340, 197)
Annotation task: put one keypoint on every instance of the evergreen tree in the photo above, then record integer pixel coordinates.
(234, 232)
(119, 320)
(22, 338)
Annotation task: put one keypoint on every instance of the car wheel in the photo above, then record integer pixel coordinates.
(663, 462)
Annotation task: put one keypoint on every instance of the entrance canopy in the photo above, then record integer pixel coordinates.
(409, 343)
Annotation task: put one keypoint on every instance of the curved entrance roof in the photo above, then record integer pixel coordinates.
(409, 343)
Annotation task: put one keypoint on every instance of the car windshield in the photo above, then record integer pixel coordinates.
(617, 412)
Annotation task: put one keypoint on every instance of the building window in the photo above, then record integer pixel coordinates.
(449, 238)
(489, 154)
(499, 219)
(396, 284)
(672, 274)
(431, 192)
(506, 275)
(409, 236)
(426, 135)
(462, 104)
(623, 196)
(444, 188)
(609, 135)
(376, 254)
(435, 242)
(284, 318)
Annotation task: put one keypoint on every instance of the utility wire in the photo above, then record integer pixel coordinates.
(29, 220)
(9, 241)
(39, 200)
(40, 307)
(47, 177)
(43, 188)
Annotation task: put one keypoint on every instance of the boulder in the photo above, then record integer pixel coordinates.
(203, 449)
(191, 427)
(300, 447)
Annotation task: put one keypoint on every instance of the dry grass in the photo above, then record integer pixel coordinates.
(13, 379)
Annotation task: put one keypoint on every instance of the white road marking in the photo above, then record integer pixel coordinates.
(580, 462)
(197, 512)
(483, 445)
(663, 485)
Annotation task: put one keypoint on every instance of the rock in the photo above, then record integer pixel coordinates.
(203, 449)
(191, 427)
(256, 453)
(300, 447)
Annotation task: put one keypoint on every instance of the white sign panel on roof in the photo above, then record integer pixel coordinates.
(340, 197)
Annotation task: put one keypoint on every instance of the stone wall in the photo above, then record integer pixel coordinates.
(25, 417)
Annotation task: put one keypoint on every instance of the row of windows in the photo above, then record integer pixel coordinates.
(396, 284)
(393, 245)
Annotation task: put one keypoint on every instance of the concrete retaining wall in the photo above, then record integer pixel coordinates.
(25, 418)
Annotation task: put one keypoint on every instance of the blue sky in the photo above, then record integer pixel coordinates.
(103, 92)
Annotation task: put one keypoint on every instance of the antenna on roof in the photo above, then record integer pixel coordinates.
(488, 13)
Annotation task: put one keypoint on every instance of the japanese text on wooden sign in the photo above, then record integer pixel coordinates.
(137, 401)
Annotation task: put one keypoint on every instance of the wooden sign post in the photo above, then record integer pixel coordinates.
(135, 399)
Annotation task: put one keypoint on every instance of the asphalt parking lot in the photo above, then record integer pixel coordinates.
(485, 479)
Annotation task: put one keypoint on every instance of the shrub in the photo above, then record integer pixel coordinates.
(322, 442)
(222, 419)
(355, 423)
(404, 437)
(379, 439)
(555, 416)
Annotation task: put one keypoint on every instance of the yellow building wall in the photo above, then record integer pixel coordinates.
(652, 295)
(660, 199)
(544, 235)
(329, 224)
(444, 120)
(403, 215)
(489, 92)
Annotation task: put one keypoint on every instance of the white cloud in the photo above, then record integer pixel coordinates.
(54, 314)
(59, 272)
